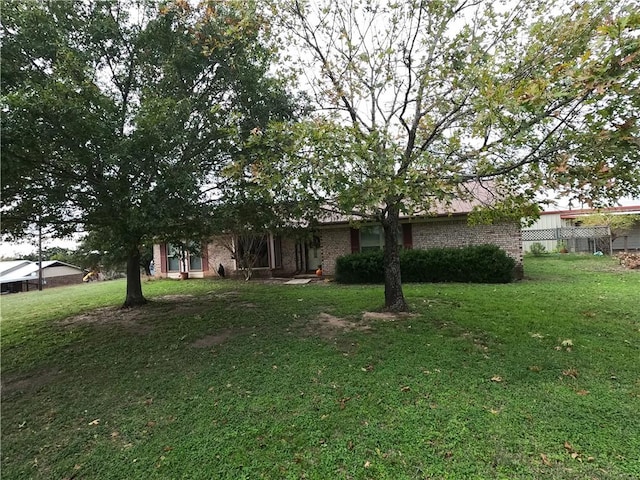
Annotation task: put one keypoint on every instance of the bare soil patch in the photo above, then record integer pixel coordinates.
(328, 326)
(388, 316)
(213, 339)
(229, 294)
(176, 298)
(32, 381)
(140, 319)
(132, 319)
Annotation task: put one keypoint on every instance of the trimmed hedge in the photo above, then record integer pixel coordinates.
(473, 264)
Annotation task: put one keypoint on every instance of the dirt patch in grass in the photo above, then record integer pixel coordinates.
(140, 319)
(33, 381)
(386, 316)
(229, 294)
(176, 298)
(213, 339)
(132, 319)
(328, 326)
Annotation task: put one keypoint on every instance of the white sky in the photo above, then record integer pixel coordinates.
(18, 249)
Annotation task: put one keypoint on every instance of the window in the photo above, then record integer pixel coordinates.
(252, 251)
(179, 258)
(372, 238)
(258, 251)
(195, 263)
(173, 258)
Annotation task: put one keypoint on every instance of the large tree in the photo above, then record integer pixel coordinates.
(417, 100)
(118, 115)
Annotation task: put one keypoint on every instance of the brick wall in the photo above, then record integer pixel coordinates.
(218, 255)
(62, 280)
(334, 242)
(457, 233)
(157, 261)
(447, 232)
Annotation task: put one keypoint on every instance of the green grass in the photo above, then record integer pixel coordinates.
(534, 379)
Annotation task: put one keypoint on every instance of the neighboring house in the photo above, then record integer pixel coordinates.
(22, 275)
(338, 235)
(563, 228)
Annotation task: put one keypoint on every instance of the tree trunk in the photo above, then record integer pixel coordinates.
(393, 297)
(134, 284)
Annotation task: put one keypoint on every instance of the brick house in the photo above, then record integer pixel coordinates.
(336, 236)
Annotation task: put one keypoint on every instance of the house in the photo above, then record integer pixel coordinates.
(338, 235)
(22, 275)
(563, 228)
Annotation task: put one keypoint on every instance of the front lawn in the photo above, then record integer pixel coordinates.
(226, 379)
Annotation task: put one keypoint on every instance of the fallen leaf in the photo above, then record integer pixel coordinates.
(406, 388)
(95, 422)
(575, 455)
(496, 378)
(367, 464)
(343, 402)
(583, 392)
(151, 424)
(568, 446)
(115, 434)
(545, 460)
(167, 448)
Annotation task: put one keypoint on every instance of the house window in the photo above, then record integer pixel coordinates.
(173, 258)
(258, 251)
(195, 262)
(177, 254)
(252, 251)
(372, 238)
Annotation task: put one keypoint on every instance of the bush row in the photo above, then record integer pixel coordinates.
(472, 264)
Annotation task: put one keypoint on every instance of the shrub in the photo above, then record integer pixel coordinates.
(473, 264)
(537, 249)
(364, 267)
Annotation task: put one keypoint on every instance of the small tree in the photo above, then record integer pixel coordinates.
(247, 215)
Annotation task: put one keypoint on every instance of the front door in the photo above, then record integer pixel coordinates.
(314, 256)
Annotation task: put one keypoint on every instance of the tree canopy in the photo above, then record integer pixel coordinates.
(118, 116)
(416, 99)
